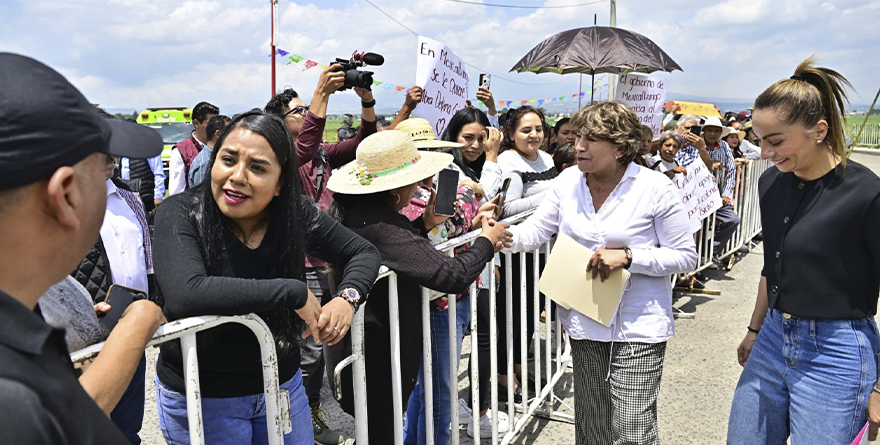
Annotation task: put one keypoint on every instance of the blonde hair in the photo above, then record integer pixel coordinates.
(611, 121)
(812, 94)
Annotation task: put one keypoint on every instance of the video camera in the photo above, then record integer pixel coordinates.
(355, 78)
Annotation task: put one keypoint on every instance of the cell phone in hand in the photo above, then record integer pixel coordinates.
(502, 194)
(447, 189)
(696, 130)
(485, 79)
(119, 298)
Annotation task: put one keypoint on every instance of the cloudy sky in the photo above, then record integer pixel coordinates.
(140, 53)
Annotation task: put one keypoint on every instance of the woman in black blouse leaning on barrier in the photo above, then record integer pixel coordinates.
(233, 245)
(810, 353)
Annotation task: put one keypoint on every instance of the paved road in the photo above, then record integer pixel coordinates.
(699, 376)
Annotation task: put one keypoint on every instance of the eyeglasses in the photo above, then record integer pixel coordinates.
(297, 110)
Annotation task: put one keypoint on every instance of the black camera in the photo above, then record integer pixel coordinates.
(355, 78)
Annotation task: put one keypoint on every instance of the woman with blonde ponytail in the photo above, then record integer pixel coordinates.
(811, 347)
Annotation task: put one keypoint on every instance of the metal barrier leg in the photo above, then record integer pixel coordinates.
(427, 377)
(193, 393)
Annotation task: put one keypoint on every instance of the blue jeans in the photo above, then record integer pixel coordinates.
(808, 378)
(414, 431)
(128, 415)
(234, 420)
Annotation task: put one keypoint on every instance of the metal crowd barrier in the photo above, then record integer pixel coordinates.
(277, 404)
(277, 401)
(746, 205)
(541, 366)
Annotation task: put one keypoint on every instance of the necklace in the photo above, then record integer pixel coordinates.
(258, 227)
(602, 184)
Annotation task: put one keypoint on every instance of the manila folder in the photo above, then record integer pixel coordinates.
(566, 281)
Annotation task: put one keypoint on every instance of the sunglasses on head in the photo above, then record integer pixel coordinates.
(302, 109)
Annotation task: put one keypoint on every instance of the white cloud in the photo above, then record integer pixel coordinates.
(135, 53)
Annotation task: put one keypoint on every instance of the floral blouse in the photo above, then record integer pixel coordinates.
(456, 225)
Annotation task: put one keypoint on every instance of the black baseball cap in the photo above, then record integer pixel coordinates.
(46, 123)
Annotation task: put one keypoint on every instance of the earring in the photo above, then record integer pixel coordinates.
(820, 141)
(398, 199)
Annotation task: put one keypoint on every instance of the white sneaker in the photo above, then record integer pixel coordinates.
(486, 425)
(464, 412)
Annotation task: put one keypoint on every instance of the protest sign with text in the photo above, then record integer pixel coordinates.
(699, 193)
(444, 79)
(645, 95)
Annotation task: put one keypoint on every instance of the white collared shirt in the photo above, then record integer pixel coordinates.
(644, 212)
(124, 242)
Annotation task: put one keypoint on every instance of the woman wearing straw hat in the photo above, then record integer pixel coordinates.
(465, 219)
(811, 347)
(633, 219)
(233, 245)
(369, 194)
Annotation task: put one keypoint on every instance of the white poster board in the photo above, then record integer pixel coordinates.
(699, 193)
(645, 95)
(444, 79)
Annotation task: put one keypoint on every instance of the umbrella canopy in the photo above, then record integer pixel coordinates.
(597, 49)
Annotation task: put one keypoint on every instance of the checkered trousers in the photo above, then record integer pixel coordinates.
(622, 409)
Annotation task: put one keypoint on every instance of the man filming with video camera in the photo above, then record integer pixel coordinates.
(317, 161)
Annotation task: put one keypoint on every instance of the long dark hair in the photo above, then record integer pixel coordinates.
(285, 217)
(461, 118)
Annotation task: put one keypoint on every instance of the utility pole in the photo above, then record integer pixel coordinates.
(612, 78)
(274, 40)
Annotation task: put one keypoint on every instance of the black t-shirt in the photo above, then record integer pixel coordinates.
(41, 400)
(229, 355)
(822, 242)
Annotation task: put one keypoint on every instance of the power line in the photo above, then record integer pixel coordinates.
(468, 64)
(496, 5)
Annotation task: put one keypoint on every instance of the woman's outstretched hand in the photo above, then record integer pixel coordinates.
(497, 233)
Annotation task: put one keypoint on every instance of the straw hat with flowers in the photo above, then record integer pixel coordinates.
(385, 161)
(423, 135)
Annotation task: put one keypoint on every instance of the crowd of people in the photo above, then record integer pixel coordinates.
(264, 216)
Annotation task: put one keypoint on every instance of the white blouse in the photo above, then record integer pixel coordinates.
(644, 212)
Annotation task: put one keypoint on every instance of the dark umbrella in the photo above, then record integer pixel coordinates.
(597, 49)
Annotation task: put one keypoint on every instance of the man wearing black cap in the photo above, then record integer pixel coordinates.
(53, 152)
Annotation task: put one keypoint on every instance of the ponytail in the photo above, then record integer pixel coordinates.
(813, 93)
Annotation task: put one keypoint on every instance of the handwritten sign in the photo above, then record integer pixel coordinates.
(695, 108)
(645, 95)
(699, 193)
(444, 79)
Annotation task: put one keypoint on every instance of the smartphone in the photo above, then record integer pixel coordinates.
(503, 198)
(119, 298)
(485, 79)
(447, 189)
(696, 129)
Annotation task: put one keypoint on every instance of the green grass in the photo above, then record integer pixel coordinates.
(332, 126)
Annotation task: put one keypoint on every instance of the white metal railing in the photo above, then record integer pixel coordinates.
(870, 135)
(277, 399)
(277, 403)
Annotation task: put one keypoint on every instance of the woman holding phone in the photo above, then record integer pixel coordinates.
(810, 353)
(233, 245)
(369, 194)
(477, 157)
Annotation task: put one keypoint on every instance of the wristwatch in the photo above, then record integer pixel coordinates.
(629, 257)
(350, 295)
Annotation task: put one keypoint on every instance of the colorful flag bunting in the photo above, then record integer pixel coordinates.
(309, 64)
(281, 52)
(295, 59)
(524, 102)
(377, 83)
(540, 102)
(509, 103)
(501, 102)
(399, 89)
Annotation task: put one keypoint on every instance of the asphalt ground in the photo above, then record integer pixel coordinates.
(699, 375)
